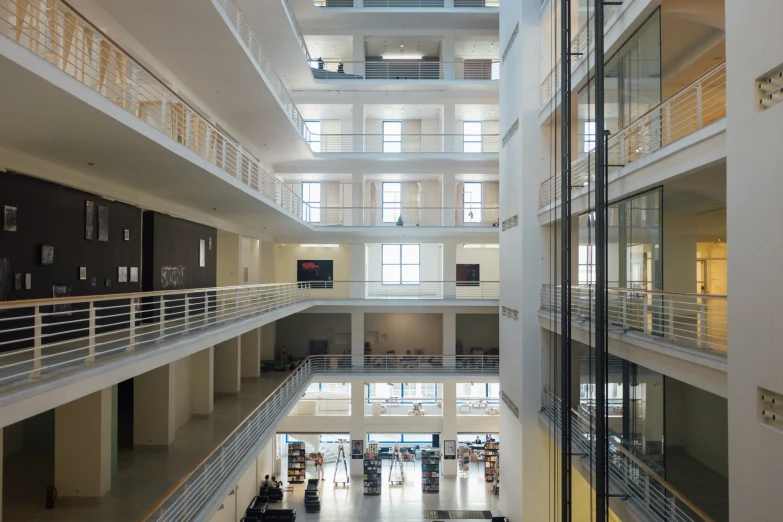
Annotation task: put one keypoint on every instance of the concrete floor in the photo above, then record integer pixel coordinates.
(143, 474)
(396, 503)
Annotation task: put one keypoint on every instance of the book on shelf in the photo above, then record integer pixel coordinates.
(372, 474)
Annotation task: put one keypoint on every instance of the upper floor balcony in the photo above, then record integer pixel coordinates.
(423, 70)
(405, 143)
(403, 4)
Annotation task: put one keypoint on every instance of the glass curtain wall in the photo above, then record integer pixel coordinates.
(635, 243)
(632, 85)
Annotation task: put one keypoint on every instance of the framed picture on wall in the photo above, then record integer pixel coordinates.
(122, 274)
(126, 234)
(468, 275)
(134, 274)
(9, 218)
(47, 255)
(202, 253)
(449, 449)
(357, 449)
(82, 273)
(62, 291)
(319, 273)
(103, 224)
(89, 220)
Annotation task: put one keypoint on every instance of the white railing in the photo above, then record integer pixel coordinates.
(407, 143)
(205, 485)
(422, 290)
(405, 70)
(62, 37)
(696, 106)
(405, 216)
(297, 30)
(246, 35)
(404, 407)
(579, 49)
(628, 475)
(406, 3)
(42, 336)
(696, 321)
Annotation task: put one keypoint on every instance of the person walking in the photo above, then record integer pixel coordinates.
(319, 465)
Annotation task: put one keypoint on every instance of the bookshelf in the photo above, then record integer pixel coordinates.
(490, 461)
(430, 470)
(372, 474)
(296, 462)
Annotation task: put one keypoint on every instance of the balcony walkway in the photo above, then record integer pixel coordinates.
(144, 474)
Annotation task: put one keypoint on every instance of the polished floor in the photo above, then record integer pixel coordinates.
(143, 474)
(701, 485)
(397, 503)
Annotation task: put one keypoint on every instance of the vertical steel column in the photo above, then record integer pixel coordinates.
(626, 401)
(601, 322)
(565, 261)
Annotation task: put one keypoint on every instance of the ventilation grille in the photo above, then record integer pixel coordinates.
(511, 132)
(510, 42)
(769, 89)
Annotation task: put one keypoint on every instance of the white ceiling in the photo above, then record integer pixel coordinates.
(330, 47)
(402, 45)
(477, 112)
(476, 49)
(403, 111)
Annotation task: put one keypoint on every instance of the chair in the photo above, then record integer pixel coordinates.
(257, 508)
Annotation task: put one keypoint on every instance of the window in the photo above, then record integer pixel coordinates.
(589, 136)
(471, 203)
(392, 136)
(311, 195)
(400, 264)
(391, 195)
(471, 136)
(314, 136)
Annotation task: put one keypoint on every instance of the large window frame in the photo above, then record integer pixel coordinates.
(398, 266)
(314, 134)
(472, 137)
(391, 201)
(392, 136)
(471, 209)
(311, 195)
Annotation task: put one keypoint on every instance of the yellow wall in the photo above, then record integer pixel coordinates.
(287, 256)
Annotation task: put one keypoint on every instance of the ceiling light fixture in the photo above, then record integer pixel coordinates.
(488, 245)
(402, 56)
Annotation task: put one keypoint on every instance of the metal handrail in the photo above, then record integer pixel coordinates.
(579, 49)
(698, 321)
(699, 104)
(408, 216)
(484, 70)
(193, 493)
(409, 143)
(656, 497)
(54, 31)
(406, 3)
(44, 335)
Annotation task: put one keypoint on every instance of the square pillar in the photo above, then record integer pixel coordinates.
(251, 353)
(153, 407)
(450, 214)
(450, 140)
(447, 56)
(357, 198)
(82, 446)
(357, 340)
(449, 270)
(449, 424)
(202, 382)
(357, 427)
(449, 338)
(358, 272)
(357, 121)
(358, 53)
(227, 366)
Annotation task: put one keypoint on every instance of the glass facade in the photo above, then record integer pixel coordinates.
(632, 85)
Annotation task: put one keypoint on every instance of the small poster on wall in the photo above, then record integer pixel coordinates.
(468, 275)
(103, 223)
(357, 449)
(202, 253)
(319, 273)
(89, 220)
(449, 449)
(9, 218)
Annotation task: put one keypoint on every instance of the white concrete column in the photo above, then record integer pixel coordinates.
(265, 463)
(449, 424)
(357, 198)
(251, 353)
(447, 55)
(268, 340)
(357, 125)
(227, 366)
(82, 446)
(153, 407)
(358, 271)
(449, 338)
(357, 339)
(202, 382)
(358, 52)
(449, 215)
(450, 129)
(357, 427)
(449, 270)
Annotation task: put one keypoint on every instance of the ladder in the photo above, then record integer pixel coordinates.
(341, 457)
(396, 462)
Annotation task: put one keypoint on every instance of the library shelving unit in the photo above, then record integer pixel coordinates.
(430, 470)
(490, 461)
(296, 462)
(372, 474)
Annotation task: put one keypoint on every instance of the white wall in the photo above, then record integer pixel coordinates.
(227, 259)
(487, 258)
(287, 256)
(251, 260)
(295, 331)
(419, 333)
(478, 331)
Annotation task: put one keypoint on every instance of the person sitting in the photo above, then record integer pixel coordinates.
(266, 484)
(478, 440)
